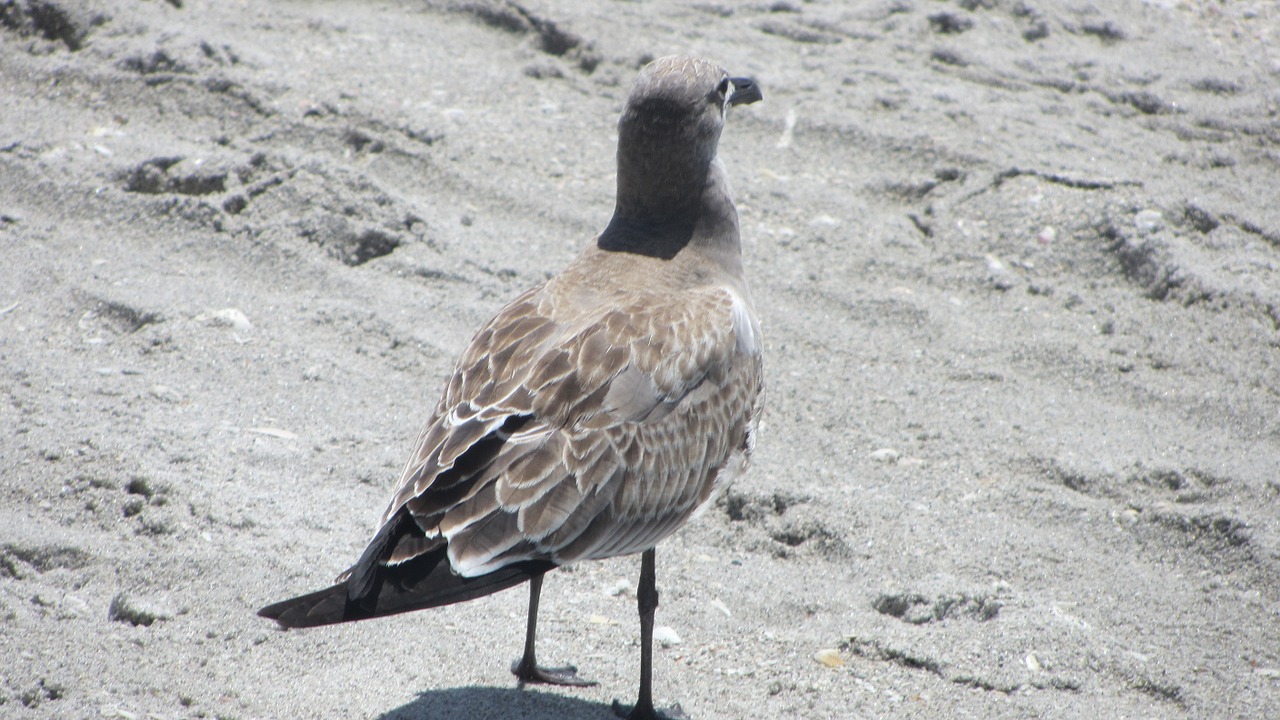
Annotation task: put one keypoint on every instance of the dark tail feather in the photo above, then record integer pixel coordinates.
(323, 607)
(426, 581)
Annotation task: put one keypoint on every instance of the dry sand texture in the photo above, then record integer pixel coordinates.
(1019, 268)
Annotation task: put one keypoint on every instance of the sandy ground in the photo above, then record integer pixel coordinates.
(1018, 265)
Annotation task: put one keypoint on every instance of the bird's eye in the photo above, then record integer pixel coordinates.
(723, 87)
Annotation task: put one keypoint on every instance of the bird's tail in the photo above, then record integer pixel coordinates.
(425, 581)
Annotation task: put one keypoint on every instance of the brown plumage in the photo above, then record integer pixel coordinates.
(600, 410)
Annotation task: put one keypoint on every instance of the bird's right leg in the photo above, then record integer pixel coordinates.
(647, 602)
(526, 668)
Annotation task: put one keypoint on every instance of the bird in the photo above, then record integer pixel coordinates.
(598, 411)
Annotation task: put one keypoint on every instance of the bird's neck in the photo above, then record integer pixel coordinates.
(667, 203)
(656, 181)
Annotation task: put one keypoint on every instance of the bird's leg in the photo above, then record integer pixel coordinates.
(526, 668)
(647, 602)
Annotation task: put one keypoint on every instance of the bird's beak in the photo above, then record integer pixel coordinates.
(745, 91)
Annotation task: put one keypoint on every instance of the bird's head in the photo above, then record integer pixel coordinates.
(678, 104)
(669, 133)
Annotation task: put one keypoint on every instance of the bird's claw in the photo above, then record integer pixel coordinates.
(531, 673)
(631, 712)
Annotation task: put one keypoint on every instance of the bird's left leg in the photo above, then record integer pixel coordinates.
(526, 668)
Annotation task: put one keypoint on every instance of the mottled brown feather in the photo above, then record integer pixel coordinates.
(656, 412)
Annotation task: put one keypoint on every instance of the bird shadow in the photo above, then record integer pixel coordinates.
(496, 703)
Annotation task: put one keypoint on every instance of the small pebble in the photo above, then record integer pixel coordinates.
(1033, 663)
(137, 610)
(618, 587)
(666, 636)
(72, 607)
(164, 393)
(1128, 516)
(998, 273)
(1148, 221)
(133, 506)
(788, 129)
(273, 432)
(227, 317)
(888, 456)
(829, 657)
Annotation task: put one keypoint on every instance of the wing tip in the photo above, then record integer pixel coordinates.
(323, 607)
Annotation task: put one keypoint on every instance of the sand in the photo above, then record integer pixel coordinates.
(1018, 265)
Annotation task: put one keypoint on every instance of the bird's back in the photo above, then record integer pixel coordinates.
(591, 417)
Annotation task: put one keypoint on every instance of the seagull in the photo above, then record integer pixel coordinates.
(597, 412)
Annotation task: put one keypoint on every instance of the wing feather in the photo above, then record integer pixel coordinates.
(565, 437)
